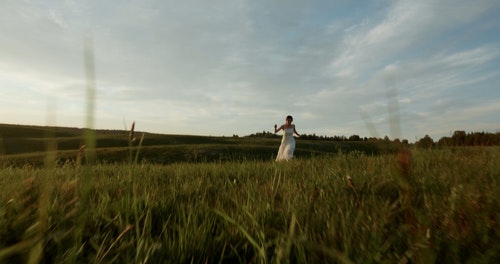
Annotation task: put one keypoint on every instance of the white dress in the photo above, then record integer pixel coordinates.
(287, 146)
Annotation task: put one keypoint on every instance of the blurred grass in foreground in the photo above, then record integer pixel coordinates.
(433, 206)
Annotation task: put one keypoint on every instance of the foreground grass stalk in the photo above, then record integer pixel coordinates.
(100, 258)
(283, 254)
(90, 137)
(138, 149)
(85, 174)
(131, 140)
(19, 247)
(259, 248)
(36, 252)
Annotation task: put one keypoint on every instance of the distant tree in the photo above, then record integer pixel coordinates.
(425, 142)
(459, 138)
(469, 140)
(354, 138)
(493, 139)
(445, 142)
(263, 134)
(339, 138)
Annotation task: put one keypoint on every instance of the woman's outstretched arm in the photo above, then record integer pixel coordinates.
(295, 131)
(276, 129)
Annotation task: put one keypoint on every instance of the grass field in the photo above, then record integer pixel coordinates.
(332, 204)
(21, 145)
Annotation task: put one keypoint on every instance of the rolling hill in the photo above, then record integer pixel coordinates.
(20, 144)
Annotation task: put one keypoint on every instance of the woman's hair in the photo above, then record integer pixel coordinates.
(289, 117)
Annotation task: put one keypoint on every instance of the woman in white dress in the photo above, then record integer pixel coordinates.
(287, 146)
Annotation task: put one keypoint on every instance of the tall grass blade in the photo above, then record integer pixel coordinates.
(131, 140)
(90, 153)
(369, 124)
(19, 247)
(283, 254)
(393, 109)
(258, 248)
(139, 148)
(90, 138)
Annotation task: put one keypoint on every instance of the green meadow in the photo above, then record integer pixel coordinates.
(22, 145)
(149, 198)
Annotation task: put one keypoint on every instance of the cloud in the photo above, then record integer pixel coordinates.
(407, 24)
(237, 67)
(471, 58)
(385, 49)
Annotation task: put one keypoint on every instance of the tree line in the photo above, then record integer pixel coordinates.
(458, 138)
(267, 134)
(462, 138)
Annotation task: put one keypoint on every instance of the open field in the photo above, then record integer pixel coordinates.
(178, 198)
(423, 206)
(21, 145)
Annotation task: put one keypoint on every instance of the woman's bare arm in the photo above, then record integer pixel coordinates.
(295, 131)
(276, 129)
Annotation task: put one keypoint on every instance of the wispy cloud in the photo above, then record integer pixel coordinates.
(237, 67)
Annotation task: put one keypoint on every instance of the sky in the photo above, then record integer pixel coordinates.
(402, 69)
